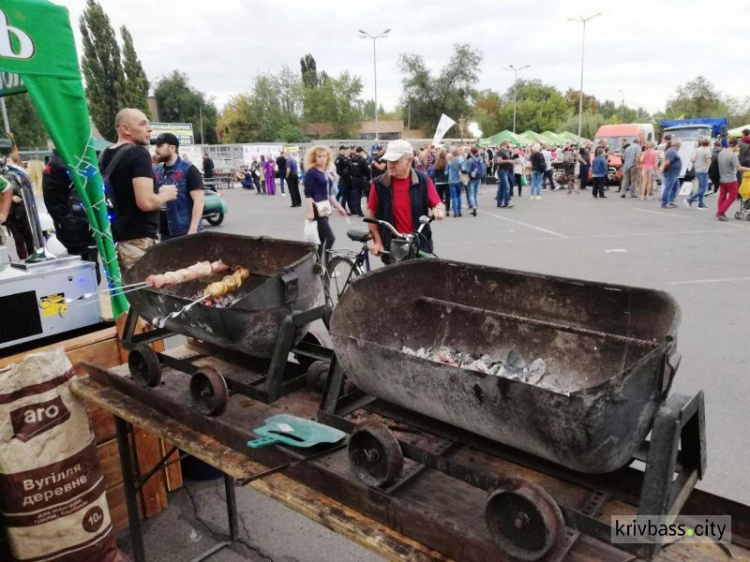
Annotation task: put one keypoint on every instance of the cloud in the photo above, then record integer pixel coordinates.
(644, 48)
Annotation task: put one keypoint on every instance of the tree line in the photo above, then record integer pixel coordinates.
(278, 105)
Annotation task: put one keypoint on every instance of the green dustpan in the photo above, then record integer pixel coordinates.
(295, 432)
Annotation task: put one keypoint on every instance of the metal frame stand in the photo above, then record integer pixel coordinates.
(132, 486)
(268, 387)
(675, 459)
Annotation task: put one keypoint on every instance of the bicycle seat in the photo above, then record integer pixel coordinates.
(359, 235)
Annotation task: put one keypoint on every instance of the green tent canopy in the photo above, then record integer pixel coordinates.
(572, 137)
(530, 137)
(738, 131)
(42, 51)
(511, 137)
(554, 137)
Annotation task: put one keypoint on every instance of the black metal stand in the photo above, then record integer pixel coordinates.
(274, 379)
(675, 459)
(131, 487)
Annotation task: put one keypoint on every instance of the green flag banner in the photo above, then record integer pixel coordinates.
(36, 42)
(10, 84)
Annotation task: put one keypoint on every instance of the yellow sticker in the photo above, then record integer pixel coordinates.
(53, 304)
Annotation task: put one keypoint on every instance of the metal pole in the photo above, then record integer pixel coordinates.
(515, 91)
(6, 122)
(580, 92)
(375, 66)
(128, 481)
(200, 110)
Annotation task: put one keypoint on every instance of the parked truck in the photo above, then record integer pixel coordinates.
(612, 134)
(690, 132)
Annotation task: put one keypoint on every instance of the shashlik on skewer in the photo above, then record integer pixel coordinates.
(228, 284)
(196, 271)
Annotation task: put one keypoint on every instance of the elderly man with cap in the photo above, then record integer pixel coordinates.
(400, 196)
(184, 214)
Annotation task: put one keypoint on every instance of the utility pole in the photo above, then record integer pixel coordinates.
(583, 44)
(515, 71)
(200, 111)
(365, 35)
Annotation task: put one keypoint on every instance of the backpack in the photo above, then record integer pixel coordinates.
(116, 219)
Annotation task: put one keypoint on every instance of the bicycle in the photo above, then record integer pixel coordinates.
(346, 265)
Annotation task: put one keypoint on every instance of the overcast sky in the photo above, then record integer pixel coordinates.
(637, 49)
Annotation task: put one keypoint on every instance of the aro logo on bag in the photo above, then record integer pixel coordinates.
(24, 46)
(34, 419)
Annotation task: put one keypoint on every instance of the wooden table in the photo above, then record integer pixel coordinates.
(339, 518)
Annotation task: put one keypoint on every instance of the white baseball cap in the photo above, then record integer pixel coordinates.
(396, 149)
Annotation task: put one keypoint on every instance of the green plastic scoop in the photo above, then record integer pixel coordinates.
(295, 432)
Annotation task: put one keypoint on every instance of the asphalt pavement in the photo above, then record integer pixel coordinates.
(701, 262)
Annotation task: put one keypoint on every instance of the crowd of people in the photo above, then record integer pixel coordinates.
(161, 197)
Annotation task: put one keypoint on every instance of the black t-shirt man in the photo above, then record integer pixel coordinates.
(503, 154)
(136, 163)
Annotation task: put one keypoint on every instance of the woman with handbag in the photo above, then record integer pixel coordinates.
(320, 202)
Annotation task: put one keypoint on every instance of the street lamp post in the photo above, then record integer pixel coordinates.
(515, 71)
(365, 35)
(580, 94)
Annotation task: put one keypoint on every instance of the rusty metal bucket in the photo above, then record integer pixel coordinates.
(609, 350)
(284, 278)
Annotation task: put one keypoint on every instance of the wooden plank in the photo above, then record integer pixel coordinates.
(173, 472)
(102, 423)
(109, 462)
(72, 345)
(148, 454)
(341, 519)
(118, 509)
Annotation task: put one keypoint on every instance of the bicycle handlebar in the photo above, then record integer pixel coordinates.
(393, 229)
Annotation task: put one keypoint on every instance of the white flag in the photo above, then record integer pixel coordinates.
(442, 128)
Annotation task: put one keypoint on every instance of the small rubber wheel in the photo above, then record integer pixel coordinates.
(208, 389)
(316, 375)
(738, 216)
(523, 519)
(375, 454)
(144, 367)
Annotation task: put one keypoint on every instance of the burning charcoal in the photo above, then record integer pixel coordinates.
(423, 352)
(537, 370)
(515, 361)
(445, 355)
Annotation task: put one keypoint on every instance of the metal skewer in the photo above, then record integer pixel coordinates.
(161, 321)
(119, 290)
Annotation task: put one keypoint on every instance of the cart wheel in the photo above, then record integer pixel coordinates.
(316, 375)
(747, 217)
(144, 367)
(523, 519)
(375, 454)
(738, 216)
(303, 360)
(208, 389)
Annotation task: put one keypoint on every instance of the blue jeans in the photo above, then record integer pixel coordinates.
(702, 187)
(472, 190)
(456, 189)
(503, 188)
(669, 189)
(536, 183)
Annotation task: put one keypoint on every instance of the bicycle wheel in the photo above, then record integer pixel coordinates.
(339, 272)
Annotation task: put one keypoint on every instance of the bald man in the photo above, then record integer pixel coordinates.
(133, 200)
